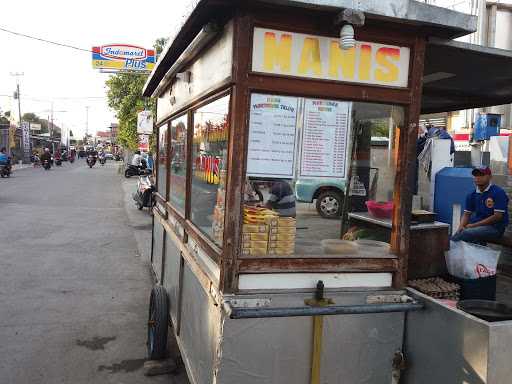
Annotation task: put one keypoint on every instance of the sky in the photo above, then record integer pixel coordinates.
(64, 76)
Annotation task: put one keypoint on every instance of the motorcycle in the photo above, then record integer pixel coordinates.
(91, 160)
(144, 195)
(141, 170)
(103, 160)
(5, 170)
(46, 165)
(58, 162)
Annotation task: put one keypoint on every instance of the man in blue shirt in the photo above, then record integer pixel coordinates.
(486, 211)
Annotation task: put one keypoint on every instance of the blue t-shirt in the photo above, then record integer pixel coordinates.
(483, 205)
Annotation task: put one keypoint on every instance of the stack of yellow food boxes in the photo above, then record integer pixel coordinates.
(265, 233)
(219, 210)
(282, 232)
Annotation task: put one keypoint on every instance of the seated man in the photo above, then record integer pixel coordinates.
(486, 211)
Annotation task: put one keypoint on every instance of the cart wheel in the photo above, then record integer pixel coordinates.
(158, 323)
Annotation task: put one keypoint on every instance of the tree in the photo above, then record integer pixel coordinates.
(124, 94)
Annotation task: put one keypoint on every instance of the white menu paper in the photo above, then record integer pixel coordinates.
(325, 138)
(272, 136)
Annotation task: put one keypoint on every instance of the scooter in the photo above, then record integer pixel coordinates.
(58, 162)
(141, 170)
(46, 165)
(91, 160)
(144, 195)
(5, 170)
(103, 160)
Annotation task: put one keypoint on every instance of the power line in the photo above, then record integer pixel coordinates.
(44, 40)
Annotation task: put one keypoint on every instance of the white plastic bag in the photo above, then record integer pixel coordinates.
(471, 261)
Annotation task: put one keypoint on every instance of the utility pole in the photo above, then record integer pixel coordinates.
(17, 94)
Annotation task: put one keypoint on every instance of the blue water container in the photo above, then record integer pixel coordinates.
(486, 126)
(452, 187)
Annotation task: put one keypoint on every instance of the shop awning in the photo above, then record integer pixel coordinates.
(460, 75)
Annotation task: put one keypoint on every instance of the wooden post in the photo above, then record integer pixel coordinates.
(400, 236)
(236, 157)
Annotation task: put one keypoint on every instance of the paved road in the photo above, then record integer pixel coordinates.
(73, 287)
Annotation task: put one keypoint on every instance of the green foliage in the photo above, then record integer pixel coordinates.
(124, 94)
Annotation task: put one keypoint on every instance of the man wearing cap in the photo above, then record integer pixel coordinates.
(486, 211)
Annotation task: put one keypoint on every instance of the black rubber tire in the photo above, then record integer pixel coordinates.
(139, 206)
(329, 204)
(158, 323)
(127, 173)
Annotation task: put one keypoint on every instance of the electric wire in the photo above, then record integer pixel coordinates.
(44, 40)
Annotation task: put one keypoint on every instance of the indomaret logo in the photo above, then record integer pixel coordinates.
(122, 52)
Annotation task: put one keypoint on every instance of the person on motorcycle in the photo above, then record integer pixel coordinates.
(46, 156)
(136, 159)
(4, 158)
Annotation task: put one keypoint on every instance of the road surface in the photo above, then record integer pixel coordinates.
(73, 286)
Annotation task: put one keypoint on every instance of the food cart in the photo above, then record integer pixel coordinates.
(253, 97)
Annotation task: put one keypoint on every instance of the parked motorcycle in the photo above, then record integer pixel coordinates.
(46, 165)
(91, 160)
(5, 170)
(141, 170)
(58, 162)
(144, 195)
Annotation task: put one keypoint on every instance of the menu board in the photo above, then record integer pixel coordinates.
(325, 138)
(272, 136)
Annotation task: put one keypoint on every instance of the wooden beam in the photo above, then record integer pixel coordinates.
(406, 167)
(238, 133)
(296, 86)
(276, 265)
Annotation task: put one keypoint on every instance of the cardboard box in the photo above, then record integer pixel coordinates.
(283, 230)
(254, 251)
(255, 244)
(282, 237)
(281, 251)
(276, 221)
(281, 244)
(254, 228)
(255, 236)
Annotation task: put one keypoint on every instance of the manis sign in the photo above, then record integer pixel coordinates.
(122, 57)
(319, 57)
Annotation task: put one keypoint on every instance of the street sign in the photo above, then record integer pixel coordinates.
(35, 126)
(123, 58)
(145, 122)
(143, 142)
(25, 132)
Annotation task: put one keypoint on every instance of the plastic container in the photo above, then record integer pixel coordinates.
(339, 247)
(381, 210)
(373, 247)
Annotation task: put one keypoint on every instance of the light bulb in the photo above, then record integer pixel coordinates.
(347, 40)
